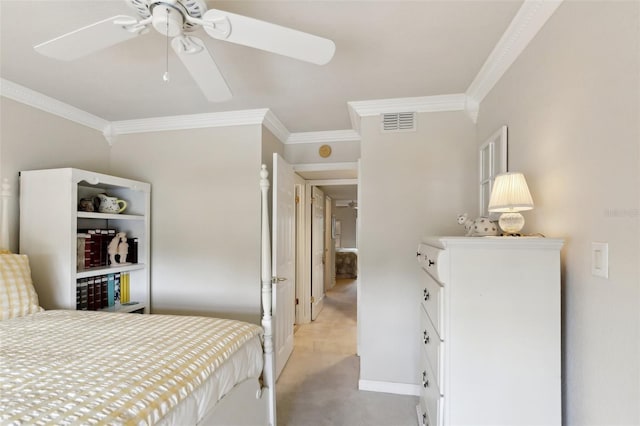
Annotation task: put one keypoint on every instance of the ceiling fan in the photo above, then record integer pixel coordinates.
(176, 19)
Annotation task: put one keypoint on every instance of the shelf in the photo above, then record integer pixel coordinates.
(110, 216)
(124, 308)
(94, 272)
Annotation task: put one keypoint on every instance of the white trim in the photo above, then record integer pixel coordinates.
(330, 136)
(30, 97)
(531, 16)
(323, 167)
(275, 126)
(320, 182)
(193, 121)
(389, 387)
(359, 109)
(472, 108)
(455, 102)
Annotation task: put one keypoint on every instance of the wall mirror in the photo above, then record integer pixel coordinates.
(493, 161)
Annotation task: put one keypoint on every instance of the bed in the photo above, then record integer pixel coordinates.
(347, 263)
(86, 367)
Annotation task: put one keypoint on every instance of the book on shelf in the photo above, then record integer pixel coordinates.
(82, 294)
(91, 288)
(117, 286)
(104, 291)
(124, 287)
(97, 294)
(111, 289)
(96, 247)
(132, 254)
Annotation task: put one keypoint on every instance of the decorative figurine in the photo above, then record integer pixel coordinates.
(479, 227)
(118, 246)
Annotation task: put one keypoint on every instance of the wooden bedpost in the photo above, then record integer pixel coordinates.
(4, 225)
(269, 360)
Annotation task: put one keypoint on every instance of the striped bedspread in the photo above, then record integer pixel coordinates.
(79, 367)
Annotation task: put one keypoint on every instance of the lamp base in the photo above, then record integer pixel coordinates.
(511, 223)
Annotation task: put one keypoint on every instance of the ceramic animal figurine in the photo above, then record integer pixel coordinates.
(479, 227)
(86, 205)
(118, 246)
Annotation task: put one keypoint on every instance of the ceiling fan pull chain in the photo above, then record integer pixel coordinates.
(165, 76)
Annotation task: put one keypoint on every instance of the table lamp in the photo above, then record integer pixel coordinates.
(509, 196)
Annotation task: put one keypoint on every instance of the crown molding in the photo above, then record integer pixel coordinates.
(30, 97)
(359, 109)
(529, 19)
(334, 182)
(193, 121)
(330, 136)
(323, 167)
(453, 102)
(276, 127)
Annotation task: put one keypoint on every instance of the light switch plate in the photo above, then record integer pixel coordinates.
(600, 260)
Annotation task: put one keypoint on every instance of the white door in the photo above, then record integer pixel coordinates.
(317, 252)
(283, 260)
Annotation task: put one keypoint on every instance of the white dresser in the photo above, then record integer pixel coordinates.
(490, 331)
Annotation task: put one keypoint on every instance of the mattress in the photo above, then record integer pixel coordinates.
(79, 367)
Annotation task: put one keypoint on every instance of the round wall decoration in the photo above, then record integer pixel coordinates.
(324, 151)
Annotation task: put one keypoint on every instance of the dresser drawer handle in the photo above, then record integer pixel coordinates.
(425, 381)
(425, 337)
(426, 294)
(424, 420)
(431, 262)
(418, 254)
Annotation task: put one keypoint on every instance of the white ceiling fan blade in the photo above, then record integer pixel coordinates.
(91, 38)
(196, 58)
(270, 37)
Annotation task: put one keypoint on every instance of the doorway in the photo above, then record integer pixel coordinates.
(338, 183)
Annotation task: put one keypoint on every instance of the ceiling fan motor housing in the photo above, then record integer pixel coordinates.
(178, 9)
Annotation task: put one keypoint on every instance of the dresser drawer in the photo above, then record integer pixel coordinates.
(432, 303)
(430, 397)
(434, 261)
(432, 347)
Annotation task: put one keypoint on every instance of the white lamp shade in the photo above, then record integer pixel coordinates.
(510, 193)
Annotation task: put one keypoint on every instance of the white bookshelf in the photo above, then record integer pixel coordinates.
(49, 223)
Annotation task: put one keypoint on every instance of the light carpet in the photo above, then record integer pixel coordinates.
(319, 384)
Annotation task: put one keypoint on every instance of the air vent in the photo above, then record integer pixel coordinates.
(399, 122)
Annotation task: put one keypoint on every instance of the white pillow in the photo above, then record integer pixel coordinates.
(18, 297)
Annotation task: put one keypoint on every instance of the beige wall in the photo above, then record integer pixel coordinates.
(347, 217)
(33, 139)
(205, 226)
(571, 104)
(411, 184)
(305, 153)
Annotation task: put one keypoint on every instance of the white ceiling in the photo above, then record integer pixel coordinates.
(384, 49)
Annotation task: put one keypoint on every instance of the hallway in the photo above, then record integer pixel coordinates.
(319, 384)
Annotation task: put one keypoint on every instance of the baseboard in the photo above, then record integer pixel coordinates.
(389, 387)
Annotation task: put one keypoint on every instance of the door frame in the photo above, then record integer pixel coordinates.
(303, 228)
